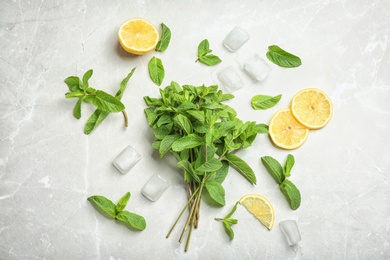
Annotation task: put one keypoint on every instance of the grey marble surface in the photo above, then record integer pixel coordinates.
(48, 167)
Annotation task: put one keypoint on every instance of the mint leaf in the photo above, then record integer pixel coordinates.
(183, 122)
(106, 102)
(104, 204)
(288, 165)
(210, 59)
(232, 211)
(94, 120)
(274, 168)
(156, 70)
(211, 165)
(162, 45)
(77, 109)
(166, 144)
(282, 58)
(122, 202)
(186, 142)
(291, 193)
(216, 192)
(228, 229)
(86, 77)
(241, 166)
(222, 172)
(135, 221)
(74, 83)
(187, 167)
(261, 128)
(203, 48)
(262, 102)
(123, 85)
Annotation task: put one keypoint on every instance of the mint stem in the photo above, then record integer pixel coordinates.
(125, 117)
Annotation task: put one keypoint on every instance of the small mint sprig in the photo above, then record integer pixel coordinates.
(116, 211)
(280, 175)
(228, 222)
(204, 56)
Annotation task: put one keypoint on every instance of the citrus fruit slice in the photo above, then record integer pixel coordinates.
(312, 108)
(260, 207)
(138, 36)
(285, 131)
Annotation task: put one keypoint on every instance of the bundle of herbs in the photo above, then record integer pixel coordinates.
(203, 134)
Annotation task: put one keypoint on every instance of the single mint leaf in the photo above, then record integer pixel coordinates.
(231, 221)
(123, 85)
(187, 167)
(232, 211)
(261, 128)
(262, 102)
(288, 165)
(241, 166)
(77, 109)
(122, 202)
(222, 172)
(210, 59)
(228, 229)
(166, 143)
(203, 48)
(282, 58)
(94, 120)
(216, 192)
(211, 165)
(86, 77)
(162, 45)
(291, 193)
(156, 70)
(106, 102)
(135, 221)
(150, 114)
(197, 114)
(184, 123)
(74, 83)
(104, 204)
(74, 94)
(186, 142)
(274, 168)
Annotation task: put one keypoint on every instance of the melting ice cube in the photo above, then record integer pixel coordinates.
(291, 232)
(257, 68)
(155, 187)
(230, 79)
(126, 160)
(235, 39)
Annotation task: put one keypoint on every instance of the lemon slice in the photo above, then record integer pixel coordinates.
(285, 131)
(312, 108)
(138, 36)
(260, 207)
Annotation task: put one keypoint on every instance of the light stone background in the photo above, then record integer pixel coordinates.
(48, 167)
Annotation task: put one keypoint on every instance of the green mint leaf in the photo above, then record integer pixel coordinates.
(228, 230)
(262, 102)
(203, 48)
(74, 83)
(77, 109)
(186, 142)
(288, 165)
(135, 221)
(231, 221)
(216, 192)
(232, 211)
(123, 85)
(162, 45)
(156, 70)
(274, 168)
(86, 77)
(166, 144)
(222, 172)
(122, 202)
(282, 58)
(227, 96)
(261, 128)
(74, 94)
(106, 102)
(211, 165)
(197, 114)
(241, 166)
(104, 204)
(94, 120)
(151, 116)
(291, 193)
(183, 122)
(210, 60)
(187, 167)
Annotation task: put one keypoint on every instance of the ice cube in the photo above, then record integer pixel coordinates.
(257, 68)
(235, 39)
(126, 160)
(230, 79)
(155, 187)
(291, 232)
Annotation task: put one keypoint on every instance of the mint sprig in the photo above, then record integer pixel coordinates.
(204, 56)
(280, 175)
(105, 103)
(228, 222)
(116, 211)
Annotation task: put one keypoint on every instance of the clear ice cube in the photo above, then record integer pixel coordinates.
(155, 187)
(257, 68)
(230, 79)
(235, 39)
(290, 231)
(126, 160)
